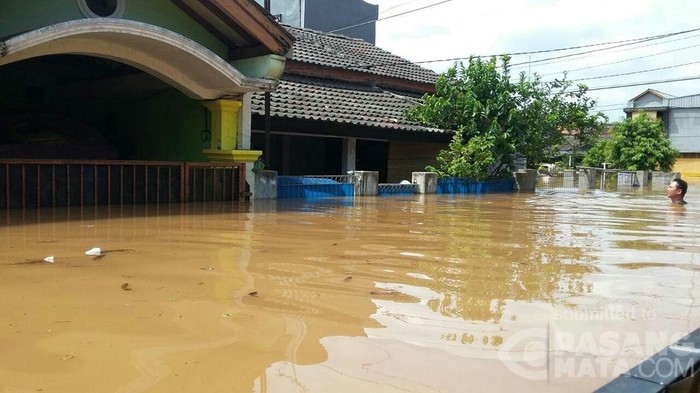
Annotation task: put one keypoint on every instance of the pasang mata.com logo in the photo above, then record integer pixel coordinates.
(591, 346)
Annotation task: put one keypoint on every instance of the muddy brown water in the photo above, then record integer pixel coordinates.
(553, 291)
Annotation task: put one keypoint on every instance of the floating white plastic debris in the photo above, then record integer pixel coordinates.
(49, 259)
(93, 251)
(419, 275)
(412, 254)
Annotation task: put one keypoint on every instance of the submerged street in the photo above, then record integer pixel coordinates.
(420, 294)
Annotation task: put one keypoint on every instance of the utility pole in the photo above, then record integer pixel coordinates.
(267, 153)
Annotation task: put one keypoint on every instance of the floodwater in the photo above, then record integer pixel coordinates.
(546, 292)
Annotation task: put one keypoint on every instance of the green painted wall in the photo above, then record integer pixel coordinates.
(165, 127)
(165, 14)
(19, 16)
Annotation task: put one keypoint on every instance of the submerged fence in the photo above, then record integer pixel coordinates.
(588, 178)
(56, 183)
(314, 186)
(456, 185)
(396, 189)
(365, 183)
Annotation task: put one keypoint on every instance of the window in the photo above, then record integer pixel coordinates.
(101, 8)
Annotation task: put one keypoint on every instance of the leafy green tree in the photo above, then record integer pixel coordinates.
(549, 109)
(638, 143)
(598, 153)
(494, 119)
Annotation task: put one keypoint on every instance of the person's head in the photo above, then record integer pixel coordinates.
(676, 189)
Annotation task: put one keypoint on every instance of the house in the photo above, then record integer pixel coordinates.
(681, 120)
(340, 107)
(353, 18)
(134, 79)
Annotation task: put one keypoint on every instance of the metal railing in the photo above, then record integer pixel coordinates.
(587, 178)
(54, 183)
(396, 189)
(214, 181)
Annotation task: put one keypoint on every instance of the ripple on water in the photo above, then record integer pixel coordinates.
(339, 286)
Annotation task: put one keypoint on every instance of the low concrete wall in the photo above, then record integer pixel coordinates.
(662, 179)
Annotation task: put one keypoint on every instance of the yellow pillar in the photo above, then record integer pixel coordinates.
(224, 133)
(224, 123)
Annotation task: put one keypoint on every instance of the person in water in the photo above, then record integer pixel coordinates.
(676, 191)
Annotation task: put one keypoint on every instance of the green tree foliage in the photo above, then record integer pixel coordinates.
(494, 119)
(598, 153)
(638, 143)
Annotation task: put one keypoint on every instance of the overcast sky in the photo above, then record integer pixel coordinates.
(460, 28)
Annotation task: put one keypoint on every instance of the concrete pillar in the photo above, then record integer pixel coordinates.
(586, 179)
(366, 182)
(265, 185)
(643, 178)
(526, 180)
(244, 123)
(426, 181)
(230, 135)
(224, 123)
(349, 154)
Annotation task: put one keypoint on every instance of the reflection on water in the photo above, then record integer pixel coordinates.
(415, 294)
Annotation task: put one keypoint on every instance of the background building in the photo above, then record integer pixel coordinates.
(681, 119)
(340, 107)
(328, 16)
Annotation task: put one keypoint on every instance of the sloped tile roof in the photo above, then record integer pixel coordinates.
(339, 51)
(300, 97)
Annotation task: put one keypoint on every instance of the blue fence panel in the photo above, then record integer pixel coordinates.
(341, 186)
(456, 185)
(313, 187)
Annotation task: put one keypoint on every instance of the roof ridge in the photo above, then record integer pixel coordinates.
(323, 33)
(334, 50)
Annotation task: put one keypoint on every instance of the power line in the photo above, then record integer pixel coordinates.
(587, 51)
(616, 51)
(662, 81)
(604, 106)
(621, 43)
(627, 42)
(623, 61)
(388, 9)
(633, 72)
(389, 17)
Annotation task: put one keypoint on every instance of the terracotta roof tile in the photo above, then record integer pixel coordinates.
(339, 51)
(299, 97)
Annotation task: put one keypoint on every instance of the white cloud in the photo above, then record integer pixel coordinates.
(460, 28)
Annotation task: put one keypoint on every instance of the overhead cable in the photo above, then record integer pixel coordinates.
(389, 17)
